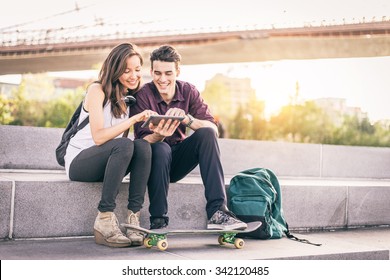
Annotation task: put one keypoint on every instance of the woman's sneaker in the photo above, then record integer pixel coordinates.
(107, 232)
(225, 221)
(136, 237)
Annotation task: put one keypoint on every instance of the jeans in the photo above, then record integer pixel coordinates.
(110, 163)
(171, 164)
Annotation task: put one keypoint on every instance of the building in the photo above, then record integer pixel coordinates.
(336, 109)
(239, 90)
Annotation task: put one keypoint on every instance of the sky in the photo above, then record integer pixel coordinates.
(362, 82)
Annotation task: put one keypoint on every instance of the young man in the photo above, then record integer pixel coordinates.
(173, 154)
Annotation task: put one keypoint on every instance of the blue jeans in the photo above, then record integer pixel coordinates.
(171, 164)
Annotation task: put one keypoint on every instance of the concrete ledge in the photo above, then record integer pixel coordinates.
(318, 204)
(287, 159)
(24, 147)
(5, 207)
(34, 148)
(48, 205)
(355, 162)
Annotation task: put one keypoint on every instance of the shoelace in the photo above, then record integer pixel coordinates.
(226, 216)
(134, 220)
(116, 230)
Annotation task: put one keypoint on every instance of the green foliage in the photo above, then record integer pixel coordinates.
(22, 109)
(249, 122)
(5, 110)
(217, 97)
(355, 132)
(301, 123)
(304, 123)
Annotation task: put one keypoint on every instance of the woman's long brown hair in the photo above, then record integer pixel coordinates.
(113, 67)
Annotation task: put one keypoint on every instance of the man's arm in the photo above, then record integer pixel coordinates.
(197, 123)
(200, 113)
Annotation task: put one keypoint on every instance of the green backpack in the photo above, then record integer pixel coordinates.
(255, 195)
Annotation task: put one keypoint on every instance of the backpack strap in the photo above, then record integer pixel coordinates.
(82, 124)
(294, 238)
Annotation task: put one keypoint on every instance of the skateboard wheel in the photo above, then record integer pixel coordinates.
(239, 243)
(147, 242)
(162, 245)
(221, 240)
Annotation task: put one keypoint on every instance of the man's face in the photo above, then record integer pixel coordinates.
(164, 76)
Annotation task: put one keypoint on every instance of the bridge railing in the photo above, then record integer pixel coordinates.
(101, 31)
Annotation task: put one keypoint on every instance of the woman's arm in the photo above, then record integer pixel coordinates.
(94, 105)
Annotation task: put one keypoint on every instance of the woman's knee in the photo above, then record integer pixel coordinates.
(142, 147)
(124, 145)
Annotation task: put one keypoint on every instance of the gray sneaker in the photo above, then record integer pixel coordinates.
(225, 221)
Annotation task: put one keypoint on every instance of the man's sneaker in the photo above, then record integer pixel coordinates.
(225, 221)
(158, 223)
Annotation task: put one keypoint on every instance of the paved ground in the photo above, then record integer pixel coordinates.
(366, 244)
(339, 257)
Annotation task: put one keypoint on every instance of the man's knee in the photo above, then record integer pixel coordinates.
(206, 136)
(161, 152)
(206, 132)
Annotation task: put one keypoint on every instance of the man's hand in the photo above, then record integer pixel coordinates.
(165, 128)
(175, 112)
(168, 127)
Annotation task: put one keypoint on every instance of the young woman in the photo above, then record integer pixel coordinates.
(100, 153)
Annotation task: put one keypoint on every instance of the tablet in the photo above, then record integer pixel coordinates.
(155, 119)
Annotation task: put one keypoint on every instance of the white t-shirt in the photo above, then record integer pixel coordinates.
(83, 138)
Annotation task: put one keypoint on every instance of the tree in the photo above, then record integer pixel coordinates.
(301, 123)
(249, 122)
(46, 112)
(356, 132)
(59, 111)
(5, 110)
(216, 95)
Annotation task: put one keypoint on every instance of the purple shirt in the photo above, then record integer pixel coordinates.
(186, 97)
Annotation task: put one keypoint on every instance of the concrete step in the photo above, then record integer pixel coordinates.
(44, 204)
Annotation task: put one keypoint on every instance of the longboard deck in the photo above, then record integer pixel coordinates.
(252, 226)
(158, 237)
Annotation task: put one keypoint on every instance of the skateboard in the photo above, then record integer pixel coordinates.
(159, 238)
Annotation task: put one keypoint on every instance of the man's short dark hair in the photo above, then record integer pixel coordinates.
(165, 53)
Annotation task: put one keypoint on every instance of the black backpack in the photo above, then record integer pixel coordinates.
(255, 195)
(71, 129)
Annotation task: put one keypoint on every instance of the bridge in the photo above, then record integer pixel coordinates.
(66, 49)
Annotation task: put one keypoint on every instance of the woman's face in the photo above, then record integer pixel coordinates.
(132, 75)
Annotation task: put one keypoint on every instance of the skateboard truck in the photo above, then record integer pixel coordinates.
(159, 239)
